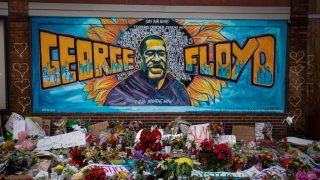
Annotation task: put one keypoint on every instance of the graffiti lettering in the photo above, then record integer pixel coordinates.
(66, 59)
(221, 65)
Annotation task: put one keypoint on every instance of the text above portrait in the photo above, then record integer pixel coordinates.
(158, 65)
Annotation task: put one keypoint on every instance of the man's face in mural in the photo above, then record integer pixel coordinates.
(154, 58)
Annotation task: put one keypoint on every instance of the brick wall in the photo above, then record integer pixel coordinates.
(20, 75)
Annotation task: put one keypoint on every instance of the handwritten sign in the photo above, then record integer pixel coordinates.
(218, 174)
(110, 170)
(246, 133)
(77, 138)
(199, 132)
(259, 129)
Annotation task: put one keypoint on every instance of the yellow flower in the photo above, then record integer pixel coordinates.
(148, 151)
(58, 169)
(122, 175)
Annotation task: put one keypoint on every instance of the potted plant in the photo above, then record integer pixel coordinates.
(167, 145)
(237, 163)
(213, 157)
(178, 143)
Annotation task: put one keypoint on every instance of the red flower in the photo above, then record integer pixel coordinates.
(209, 148)
(204, 142)
(220, 156)
(155, 134)
(216, 151)
(204, 160)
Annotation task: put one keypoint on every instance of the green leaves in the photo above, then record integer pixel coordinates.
(174, 170)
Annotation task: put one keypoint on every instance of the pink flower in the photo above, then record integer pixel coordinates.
(220, 156)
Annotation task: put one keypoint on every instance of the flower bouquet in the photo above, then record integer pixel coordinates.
(77, 155)
(149, 140)
(167, 145)
(213, 157)
(94, 173)
(266, 159)
(237, 163)
(178, 143)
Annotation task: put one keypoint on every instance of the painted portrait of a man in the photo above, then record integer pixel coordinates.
(152, 84)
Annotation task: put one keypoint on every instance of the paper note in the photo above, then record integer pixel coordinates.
(96, 129)
(227, 139)
(18, 126)
(77, 138)
(9, 124)
(110, 170)
(259, 129)
(34, 128)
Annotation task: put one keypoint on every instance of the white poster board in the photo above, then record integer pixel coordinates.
(199, 132)
(76, 138)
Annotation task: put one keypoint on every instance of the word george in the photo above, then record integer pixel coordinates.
(66, 59)
(226, 60)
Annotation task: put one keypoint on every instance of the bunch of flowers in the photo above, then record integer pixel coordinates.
(166, 142)
(237, 162)
(135, 125)
(237, 159)
(266, 159)
(178, 143)
(77, 155)
(94, 173)
(159, 156)
(149, 141)
(297, 165)
(214, 157)
(141, 166)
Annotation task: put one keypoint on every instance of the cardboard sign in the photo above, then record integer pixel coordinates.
(76, 138)
(199, 132)
(96, 129)
(110, 170)
(244, 133)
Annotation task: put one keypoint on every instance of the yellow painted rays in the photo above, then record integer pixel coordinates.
(98, 89)
(204, 89)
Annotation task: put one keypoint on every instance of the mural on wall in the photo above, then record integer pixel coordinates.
(158, 65)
